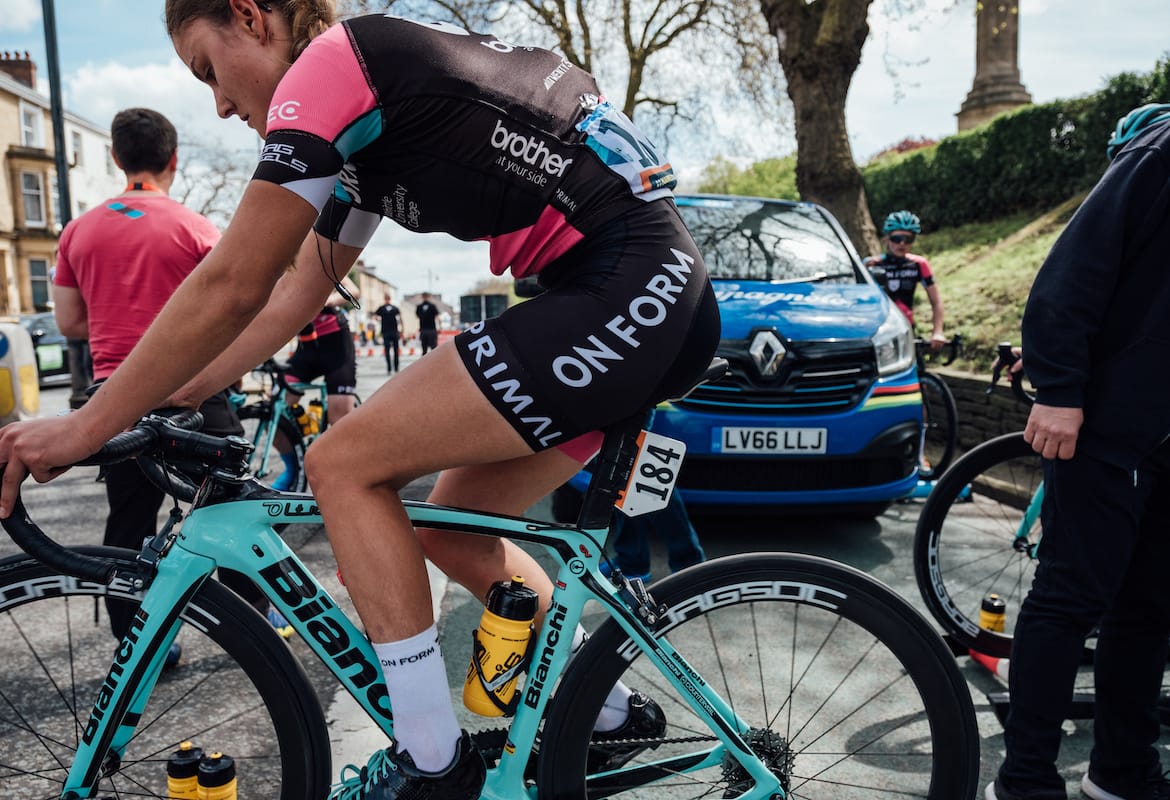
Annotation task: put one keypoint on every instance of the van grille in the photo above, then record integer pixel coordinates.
(814, 378)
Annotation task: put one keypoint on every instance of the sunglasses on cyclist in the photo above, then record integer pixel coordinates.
(898, 238)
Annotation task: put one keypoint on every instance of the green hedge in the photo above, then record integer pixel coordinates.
(1033, 158)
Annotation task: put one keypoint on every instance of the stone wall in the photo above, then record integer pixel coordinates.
(983, 416)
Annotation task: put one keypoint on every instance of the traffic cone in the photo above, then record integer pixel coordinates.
(996, 666)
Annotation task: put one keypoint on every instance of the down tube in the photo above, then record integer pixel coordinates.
(256, 550)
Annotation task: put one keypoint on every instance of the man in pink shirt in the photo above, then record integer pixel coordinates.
(117, 265)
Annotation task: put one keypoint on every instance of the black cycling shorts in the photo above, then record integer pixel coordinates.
(330, 356)
(628, 318)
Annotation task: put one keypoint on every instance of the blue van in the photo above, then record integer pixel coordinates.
(821, 409)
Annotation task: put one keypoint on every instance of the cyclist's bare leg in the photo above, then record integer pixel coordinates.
(512, 488)
(339, 406)
(429, 418)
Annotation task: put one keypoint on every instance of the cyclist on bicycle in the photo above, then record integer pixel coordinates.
(443, 130)
(905, 270)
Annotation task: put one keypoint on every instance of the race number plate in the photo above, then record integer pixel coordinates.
(777, 441)
(654, 475)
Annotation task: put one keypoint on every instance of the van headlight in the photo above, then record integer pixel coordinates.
(893, 344)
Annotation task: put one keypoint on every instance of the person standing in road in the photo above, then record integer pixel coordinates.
(428, 332)
(905, 270)
(117, 265)
(1095, 347)
(391, 319)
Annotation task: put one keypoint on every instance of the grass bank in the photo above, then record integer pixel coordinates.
(984, 272)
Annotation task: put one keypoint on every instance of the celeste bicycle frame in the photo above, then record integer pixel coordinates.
(238, 534)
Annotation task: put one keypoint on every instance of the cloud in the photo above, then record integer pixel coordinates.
(19, 15)
(98, 91)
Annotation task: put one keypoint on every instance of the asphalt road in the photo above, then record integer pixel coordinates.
(73, 508)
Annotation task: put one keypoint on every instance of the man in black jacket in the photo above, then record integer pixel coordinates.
(1097, 348)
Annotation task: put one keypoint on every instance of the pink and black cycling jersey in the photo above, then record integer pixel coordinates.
(444, 130)
(902, 278)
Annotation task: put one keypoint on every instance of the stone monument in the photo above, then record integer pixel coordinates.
(997, 87)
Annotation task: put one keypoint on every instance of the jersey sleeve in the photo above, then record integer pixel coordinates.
(322, 112)
(63, 271)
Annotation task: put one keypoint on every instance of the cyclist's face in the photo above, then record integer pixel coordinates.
(899, 242)
(241, 63)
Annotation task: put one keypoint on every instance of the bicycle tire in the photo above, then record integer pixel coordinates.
(781, 623)
(251, 416)
(237, 689)
(940, 429)
(964, 542)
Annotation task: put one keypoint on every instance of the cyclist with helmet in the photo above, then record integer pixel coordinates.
(905, 270)
(446, 130)
(1096, 342)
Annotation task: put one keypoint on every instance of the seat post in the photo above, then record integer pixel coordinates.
(611, 472)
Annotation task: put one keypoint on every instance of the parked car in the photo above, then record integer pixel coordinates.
(820, 409)
(51, 348)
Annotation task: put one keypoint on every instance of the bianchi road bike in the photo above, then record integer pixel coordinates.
(781, 675)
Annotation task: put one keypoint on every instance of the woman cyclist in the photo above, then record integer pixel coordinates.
(905, 270)
(440, 129)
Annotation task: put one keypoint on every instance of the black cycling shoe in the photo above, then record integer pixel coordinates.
(646, 721)
(390, 775)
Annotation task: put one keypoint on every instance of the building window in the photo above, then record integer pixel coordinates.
(78, 150)
(38, 275)
(32, 189)
(32, 132)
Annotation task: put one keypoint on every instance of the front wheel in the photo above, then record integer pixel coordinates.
(846, 690)
(978, 535)
(237, 689)
(940, 426)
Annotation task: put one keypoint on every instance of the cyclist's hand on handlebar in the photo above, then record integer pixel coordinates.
(937, 342)
(43, 448)
(1052, 431)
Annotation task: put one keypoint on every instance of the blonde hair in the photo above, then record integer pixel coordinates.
(306, 18)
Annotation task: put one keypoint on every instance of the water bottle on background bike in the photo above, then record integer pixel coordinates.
(217, 777)
(500, 648)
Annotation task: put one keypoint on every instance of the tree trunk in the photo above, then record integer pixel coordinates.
(820, 49)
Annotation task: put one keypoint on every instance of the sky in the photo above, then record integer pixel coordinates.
(915, 72)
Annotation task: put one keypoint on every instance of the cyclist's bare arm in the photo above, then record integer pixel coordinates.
(70, 312)
(297, 297)
(210, 309)
(937, 339)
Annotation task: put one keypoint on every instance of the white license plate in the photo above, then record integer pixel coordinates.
(794, 441)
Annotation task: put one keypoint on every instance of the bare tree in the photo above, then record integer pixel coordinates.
(686, 65)
(820, 45)
(211, 178)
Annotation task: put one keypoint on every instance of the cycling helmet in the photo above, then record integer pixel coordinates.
(1133, 123)
(902, 221)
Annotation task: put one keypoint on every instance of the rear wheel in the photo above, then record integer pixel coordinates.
(848, 691)
(237, 689)
(267, 463)
(969, 544)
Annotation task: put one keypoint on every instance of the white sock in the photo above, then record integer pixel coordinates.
(416, 679)
(616, 709)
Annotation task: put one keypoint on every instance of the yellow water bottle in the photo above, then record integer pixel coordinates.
(499, 648)
(316, 412)
(182, 772)
(217, 777)
(303, 419)
(992, 613)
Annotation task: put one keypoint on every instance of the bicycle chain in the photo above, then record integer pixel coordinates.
(491, 742)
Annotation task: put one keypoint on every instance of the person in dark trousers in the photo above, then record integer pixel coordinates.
(630, 540)
(117, 265)
(391, 319)
(428, 332)
(1095, 347)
